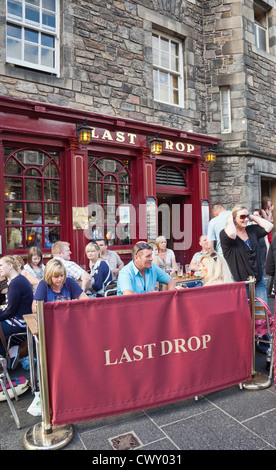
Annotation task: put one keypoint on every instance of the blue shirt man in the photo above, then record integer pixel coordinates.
(215, 226)
(140, 275)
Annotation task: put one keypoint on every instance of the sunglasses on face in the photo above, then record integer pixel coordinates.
(244, 216)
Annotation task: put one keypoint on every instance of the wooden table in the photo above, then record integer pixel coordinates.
(180, 280)
(32, 335)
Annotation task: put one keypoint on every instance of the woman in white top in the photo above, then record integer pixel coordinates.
(34, 268)
(163, 256)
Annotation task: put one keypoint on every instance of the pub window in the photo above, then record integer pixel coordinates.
(32, 34)
(225, 108)
(109, 188)
(32, 199)
(261, 27)
(167, 69)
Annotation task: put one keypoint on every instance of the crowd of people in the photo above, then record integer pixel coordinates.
(237, 245)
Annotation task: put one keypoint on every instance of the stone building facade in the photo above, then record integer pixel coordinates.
(203, 72)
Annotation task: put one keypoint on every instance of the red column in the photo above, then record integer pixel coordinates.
(76, 181)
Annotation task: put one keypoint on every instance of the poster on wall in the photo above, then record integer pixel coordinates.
(151, 220)
(205, 216)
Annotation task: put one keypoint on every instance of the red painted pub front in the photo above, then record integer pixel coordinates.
(54, 188)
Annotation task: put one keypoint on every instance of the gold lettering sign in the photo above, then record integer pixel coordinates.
(131, 139)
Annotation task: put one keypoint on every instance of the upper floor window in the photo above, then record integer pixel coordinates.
(225, 104)
(32, 34)
(261, 27)
(167, 69)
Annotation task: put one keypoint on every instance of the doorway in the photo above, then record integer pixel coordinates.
(171, 221)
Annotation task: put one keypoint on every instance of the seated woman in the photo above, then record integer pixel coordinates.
(100, 272)
(214, 270)
(55, 286)
(34, 268)
(19, 301)
(162, 256)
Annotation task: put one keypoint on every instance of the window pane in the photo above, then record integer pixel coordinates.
(52, 213)
(262, 39)
(13, 213)
(51, 190)
(14, 31)
(124, 194)
(13, 188)
(49, 5)
(34, 237)
(109, 193)
(123, 176)
(47, 57)
(33, 190)
(31, 53)
(165, 45)
(14, 9)
(31, 158)
(109, 166)
(52, 235)
(47, 40)
(31, 36)
(51, 171)
(94, 174)
(32, 15)
(14, 238)
(13, 49)
(48, 20)
(33, 2)
(94, 193)
(165, 61)
(13, 168)
(33, 211)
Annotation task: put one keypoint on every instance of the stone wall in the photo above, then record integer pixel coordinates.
(106, 61)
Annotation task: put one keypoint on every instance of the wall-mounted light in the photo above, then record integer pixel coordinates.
(155, 144)
(84, 133)
(210, 156)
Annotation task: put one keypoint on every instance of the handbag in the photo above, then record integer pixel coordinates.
(261, 324)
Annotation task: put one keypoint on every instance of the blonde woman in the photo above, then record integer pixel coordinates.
(19, 296)
(214, 270)
(99, 269)
(164, 257)
(55, 286)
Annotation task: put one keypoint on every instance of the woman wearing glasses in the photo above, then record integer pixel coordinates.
(241, 249)
(214, 270)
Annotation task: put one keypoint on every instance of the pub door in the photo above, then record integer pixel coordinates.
(171, 222)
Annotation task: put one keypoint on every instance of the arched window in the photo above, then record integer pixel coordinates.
(32, 198)
(109, 200)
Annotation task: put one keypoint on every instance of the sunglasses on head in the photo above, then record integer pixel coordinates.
(244, 216)
(143, 247)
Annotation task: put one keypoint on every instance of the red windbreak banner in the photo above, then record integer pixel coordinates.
(107, 356)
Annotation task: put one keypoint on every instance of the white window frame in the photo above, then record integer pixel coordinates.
(158, 69)
(225, 109)
(36, 27)
(258, 27)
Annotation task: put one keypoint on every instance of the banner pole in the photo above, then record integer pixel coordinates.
(43, 435)
(258, 381)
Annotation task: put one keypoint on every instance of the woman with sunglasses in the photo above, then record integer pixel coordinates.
(241, 249)
(214, 270)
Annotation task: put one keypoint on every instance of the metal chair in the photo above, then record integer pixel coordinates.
(12, 337)
(5, 377)
(110, 289)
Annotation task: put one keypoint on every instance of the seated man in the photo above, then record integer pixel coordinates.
(194, 264)
(61, 251)
(111, 257)
(141, 274)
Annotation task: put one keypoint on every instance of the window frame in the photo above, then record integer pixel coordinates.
(30, 26)
(227, 103)
(179, 74)
(258, 26)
